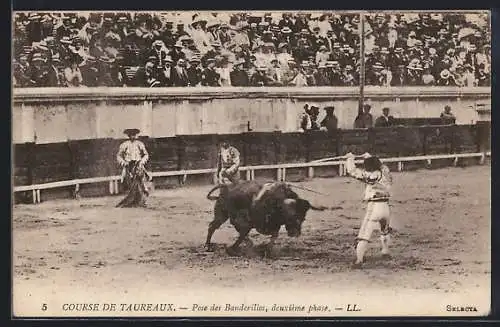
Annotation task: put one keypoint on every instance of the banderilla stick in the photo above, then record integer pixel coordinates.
(306, 189)
(337, 158)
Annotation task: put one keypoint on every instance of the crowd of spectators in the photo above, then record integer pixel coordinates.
(428, 49)
(247, 49)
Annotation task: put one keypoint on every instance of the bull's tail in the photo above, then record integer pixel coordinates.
(213, 197)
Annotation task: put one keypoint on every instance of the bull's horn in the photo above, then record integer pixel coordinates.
(213, 197)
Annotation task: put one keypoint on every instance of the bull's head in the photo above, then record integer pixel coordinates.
(294, 211)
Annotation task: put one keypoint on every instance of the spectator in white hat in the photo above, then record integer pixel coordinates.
(200, 38)
(224, 35)
(241, 37)
(176, 53)
(321, 76)
(275, 72)
(348, 77)
(284, 55)
(213, 32)
(260, 78)
(159, 51)
(300, 78)
(412, 39)
(73, 74)
(446, 78)
(322, 55)
(194, 71)
(224, 72)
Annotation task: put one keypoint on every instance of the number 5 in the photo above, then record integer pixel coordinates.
(44, 307)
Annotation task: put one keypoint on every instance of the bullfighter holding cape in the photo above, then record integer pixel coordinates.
(228, 164)
(132, 156)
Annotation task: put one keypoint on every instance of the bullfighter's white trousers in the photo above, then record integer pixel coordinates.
(377, 217)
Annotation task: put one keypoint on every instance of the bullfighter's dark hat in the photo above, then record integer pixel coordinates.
(314, 110)
(372, 163)
(131, 131)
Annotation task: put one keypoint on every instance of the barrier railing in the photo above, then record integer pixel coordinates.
(250, 172)
(33, 95)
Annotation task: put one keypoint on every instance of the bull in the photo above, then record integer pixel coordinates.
(263, 206)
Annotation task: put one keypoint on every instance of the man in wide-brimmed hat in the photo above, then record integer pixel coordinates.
(176, 53)
(446, 78)
(179, 74)
(260, 78)
(321, 75)
(132, 157)
(195, 71)
(210, 77)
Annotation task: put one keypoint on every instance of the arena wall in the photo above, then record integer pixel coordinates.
(75, 159)
(54, 115)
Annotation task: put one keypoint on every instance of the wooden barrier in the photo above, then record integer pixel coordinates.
(280, 168)
(92, 158)
(172, 159)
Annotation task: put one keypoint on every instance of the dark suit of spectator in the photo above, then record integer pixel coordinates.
(321, 78)
(483, 79)
(179, 75)
(259, 78)
(210, 77)
(194, 75)
(62, 31)
(399, 78)
(447, 117)
(330, 122)
(239, 78)
(364, 119)
(176, 54)
(335, 77)
(34, 29)
(385, 121)
(21, 73)
(53, 77)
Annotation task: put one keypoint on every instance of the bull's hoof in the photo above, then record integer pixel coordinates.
(232, 252)
(386, 256)
(357, 265)
(269, 253)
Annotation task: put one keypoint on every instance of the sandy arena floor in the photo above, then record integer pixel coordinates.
(68, 251)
